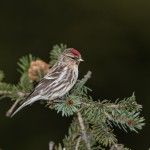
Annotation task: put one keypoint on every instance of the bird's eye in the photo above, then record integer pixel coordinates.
(72, 57)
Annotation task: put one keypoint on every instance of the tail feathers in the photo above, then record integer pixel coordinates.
(29, 101)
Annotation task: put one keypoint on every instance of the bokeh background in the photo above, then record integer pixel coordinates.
(114, 40)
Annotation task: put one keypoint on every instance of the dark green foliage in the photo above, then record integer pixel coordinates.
(7, 90)
(1, 75)
(69, 106)
(55, 53)
(104, 135)
(100, 116)
(25, 85)
(73, 134)
(25, 62)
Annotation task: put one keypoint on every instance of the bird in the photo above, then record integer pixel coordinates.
(58, 81)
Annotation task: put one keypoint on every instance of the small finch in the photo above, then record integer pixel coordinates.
(59, 80)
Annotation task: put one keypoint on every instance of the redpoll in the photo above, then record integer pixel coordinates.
(60, 79)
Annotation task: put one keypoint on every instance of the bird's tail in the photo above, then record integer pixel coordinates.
(27, 102)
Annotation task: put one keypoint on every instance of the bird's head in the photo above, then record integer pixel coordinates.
(73, 54)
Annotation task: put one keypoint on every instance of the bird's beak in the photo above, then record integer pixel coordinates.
(80, 59)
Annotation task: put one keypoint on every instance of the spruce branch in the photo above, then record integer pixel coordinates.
(69, 141)
(93, 120)
(118, 113)
(104, 135)
(67, 107)
(100, 115)
(11, 91)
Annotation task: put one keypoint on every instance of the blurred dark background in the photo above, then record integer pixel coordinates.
(114, 40)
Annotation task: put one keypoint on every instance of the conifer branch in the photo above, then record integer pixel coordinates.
(92, 125)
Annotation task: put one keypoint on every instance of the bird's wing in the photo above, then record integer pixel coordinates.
(42, 85)
(56, 73)
(46, 81)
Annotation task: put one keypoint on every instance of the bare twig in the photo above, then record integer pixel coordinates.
(117, 147)
(19, 93)
(115, 106)
(78, 143)
(83, 129)
(51, 145)
(5, 92)
(87, 76)
(11, 110)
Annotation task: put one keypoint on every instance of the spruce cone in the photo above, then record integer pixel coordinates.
(38, 69)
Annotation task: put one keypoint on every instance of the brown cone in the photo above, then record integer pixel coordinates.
(38, 69)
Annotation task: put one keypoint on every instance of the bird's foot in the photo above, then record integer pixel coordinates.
(59, 99)
(50, 102)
